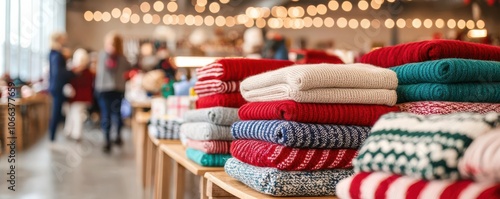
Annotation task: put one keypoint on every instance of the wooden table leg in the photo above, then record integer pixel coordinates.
(150, 164)
(203, 187)
(180, 172)
(140, 153)
(163, 176)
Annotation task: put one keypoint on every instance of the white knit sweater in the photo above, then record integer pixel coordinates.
(324, 83)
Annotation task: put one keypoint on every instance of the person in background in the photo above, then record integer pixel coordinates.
(58, 77)
(110, 86)
(275, 46)
(82, 85)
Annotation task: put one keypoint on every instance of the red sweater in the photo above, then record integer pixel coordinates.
(82, 84)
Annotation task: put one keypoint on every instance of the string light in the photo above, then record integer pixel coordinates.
(308, 22)
(296, 11)
(224, 1)
(451, 23)
(249, 23)
(287, 23)
(389, 23)
(201, 2)
(470, 24)
(181, 19)
(220, 21)
(439, 23)
(209, 20)
(189, 20)
(321, 9)
(380, 2)
(88, 16)
(365, 23)
(199, 9)
(401, 23)
(480, 24)
(145, 7)
(329, 22)
(214, 7)
(147, 18)
(167, 19)
(198, 20)
(135, 18)
(333, 5)
(242, 19)
(346, 6)
(363, 5)
(260, 23)
(427, 23)
(125, 18)
(317, 22)
(126, 11)
(97, 16)
(254, 13)
(156, 19)
(375, 5)
(353, 23)
(106, 17)
(461, 24)
(272, 22)
(297, 23)
(341, 22)
(265, 12)
(230, 21)
(279, 12)
(311, 10)
(376, 23)
(158, 6)
(172, 6)
(116, 13)
(416, 23)
(391, 1)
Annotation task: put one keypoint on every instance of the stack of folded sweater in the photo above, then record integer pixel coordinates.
(218, 83)
(304, 125)
(415, 156)
(443, 76)
(165, 128)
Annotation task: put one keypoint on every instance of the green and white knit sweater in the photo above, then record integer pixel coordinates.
(426, 147)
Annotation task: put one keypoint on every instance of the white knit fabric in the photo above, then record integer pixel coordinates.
(324, 83)
(481, 160)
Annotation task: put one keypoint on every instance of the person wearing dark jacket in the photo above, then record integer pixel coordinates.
(58, 77)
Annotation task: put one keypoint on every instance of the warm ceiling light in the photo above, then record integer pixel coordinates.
(470, 24)
(135, 18)
(242, 19)
(147, 18)
(220, 21)
(451, 23)
(317, 22)
(279, 11)
(249, 23)
(311, 10)
(209, 20)
(391, 1)
(321, 8)
(428, 23)
(254, 12)
(116, 13)
(308, 22)
(265, 12)
(156, 19)
(88, 16)
(172, 6)
(97, 16)
(201, 2)
(477, 33)
(365, 23)
(158, 6)
(353, 23)
(298, 23)
(260, 23)
(189, 20)
(329, 22)
(416, 23)
(333, 5)
(389, 23)
(167, 19)
(181, 19)
(375, 5)
(363, 5)
(401, 23)
(379, 1)
(375, 23)
(341, 22)
(293, 11)
(126, 11)
(230, 21)
(346, 6)
(199, 9)
(287, 23)
(198, 20)
(214, 7)
(461, 24)
(480, 24)
(439, 23)
(125, 18)
(145, 7)
(106, 17)
(224, 1)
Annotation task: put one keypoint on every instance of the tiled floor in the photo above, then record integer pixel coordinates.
(74, 170)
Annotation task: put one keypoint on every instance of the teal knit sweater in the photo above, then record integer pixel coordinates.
(448, 71)
(467, 92)
(207, 160)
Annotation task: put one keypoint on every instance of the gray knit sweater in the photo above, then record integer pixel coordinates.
(110, 79)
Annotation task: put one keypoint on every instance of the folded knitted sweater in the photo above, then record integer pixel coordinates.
(274, 182)
(266, 154)
(207, 160)
(237, 69)
(210, 146)
(389, 186)
(210, 87)
(345, 114)
(233, 100)
(301, 135)
(206, 131)
(435, 107)
(466, 92)
(164, 129)
(448, 71)
(420, 146)
(430, 50)
(215, 115)
(323, 83)
(481, 160)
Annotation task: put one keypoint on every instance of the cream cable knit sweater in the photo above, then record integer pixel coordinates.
(324, 83)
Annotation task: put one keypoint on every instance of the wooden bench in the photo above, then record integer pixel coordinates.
(222, 186)
(177, 153)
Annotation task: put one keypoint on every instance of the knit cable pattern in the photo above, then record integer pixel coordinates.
(466, 92)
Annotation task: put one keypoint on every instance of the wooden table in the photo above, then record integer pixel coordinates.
(177, 153)
(151, 154)
(221, 185)
(140, 131)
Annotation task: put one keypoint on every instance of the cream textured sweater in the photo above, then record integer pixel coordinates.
(324, 83)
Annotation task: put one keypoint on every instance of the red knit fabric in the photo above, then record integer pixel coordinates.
(210, 147)
(266, 154)
(316, 57)
(441, 107)
(233, 100)
(210, 87)
(82, 84)
(430, 50)
(345, 114)
(237, 69)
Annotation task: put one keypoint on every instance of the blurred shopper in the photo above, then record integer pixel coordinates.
(253, 40)
(58, 77)
(275, 46)
(110, 86)
(82, 99)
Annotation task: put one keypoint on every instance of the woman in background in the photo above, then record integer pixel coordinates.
(58, 77)
(82, 85)
(110, 86)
